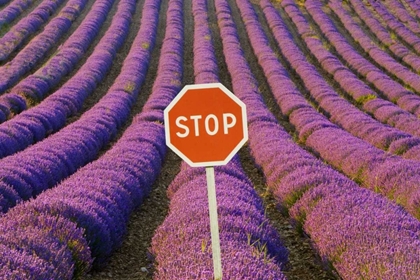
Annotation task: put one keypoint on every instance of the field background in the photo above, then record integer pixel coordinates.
(133, 259)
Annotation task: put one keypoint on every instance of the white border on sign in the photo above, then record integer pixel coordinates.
(205, 86)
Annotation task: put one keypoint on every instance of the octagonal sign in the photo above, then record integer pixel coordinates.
(206, 124)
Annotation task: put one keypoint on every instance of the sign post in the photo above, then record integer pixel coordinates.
(206, 126)
(214, 225)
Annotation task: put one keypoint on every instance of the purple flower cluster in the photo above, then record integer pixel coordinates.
(250, 247)
(50, 115)
(37, 47)
(32, 89)
(44, 164)
(355, 229)
(395, 92)
(13, 10)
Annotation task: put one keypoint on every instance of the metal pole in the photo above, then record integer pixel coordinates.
(214, 226)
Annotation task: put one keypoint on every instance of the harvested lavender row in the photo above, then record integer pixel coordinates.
(250, 247)
(395, 46)
(403, 15)
(13, 10)
(112, 186)
(38, 46)
(395, 92)
(318, 197)
(44, 164)
(50, 115)
(399, 28)
(371, 167)
(38, 84)
(341, 112)
(26, 26)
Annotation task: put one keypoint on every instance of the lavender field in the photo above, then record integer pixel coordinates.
(327, 186)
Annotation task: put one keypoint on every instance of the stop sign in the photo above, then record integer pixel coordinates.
(206, 124)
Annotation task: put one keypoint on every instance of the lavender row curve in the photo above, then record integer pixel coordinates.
(51, 114)
(384, 36)
(330, 207)
(403, 15)
(33, 88)
(343, 113)
(38, 46)
(13, 10)
(381, 57)
(390, 175)
(250, 248)
(100, 196)
(383, 110)
(413, 6)
(399, 28)
(394, 91)
(44, 164)
(396, 47)
(26, 26)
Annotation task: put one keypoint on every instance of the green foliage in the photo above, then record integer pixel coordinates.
(365, 98)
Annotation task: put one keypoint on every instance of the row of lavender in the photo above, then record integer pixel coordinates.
(61, 233)
(32, 89)
(51, 114)
(384, 36)
(395, 25)
(44, 164)
(332, 209)
(391, 89)
(26, 27)
(401, 12)
(370, 166)
(38, 46)
(340, 111)
(250, 247)
(383, 110)
(13, 10)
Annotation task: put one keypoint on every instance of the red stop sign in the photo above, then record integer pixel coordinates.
(206, 124)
